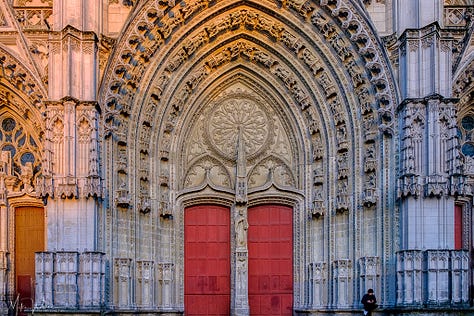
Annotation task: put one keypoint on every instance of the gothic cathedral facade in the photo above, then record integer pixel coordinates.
(236, 157)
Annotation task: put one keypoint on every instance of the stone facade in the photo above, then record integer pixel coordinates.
(116, 116)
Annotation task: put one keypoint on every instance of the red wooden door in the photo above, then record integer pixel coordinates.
(207, 260)
(29, 238)
(270, 243)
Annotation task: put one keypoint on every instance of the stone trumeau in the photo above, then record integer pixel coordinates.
(230, 157)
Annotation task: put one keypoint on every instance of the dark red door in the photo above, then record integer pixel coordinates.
(207, 260)
(270, 243)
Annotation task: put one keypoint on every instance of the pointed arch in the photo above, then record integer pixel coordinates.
(315, 67)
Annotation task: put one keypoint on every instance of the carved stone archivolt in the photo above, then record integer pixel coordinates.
(182, 87)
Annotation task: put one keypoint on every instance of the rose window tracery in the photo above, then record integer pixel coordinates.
(232, 115)
(467, 135)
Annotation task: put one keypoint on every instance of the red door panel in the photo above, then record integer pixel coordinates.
(270, 243)
(207, 260)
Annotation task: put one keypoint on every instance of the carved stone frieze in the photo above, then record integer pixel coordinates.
(35, 19)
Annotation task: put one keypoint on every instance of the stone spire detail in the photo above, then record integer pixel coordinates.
(241, 300)
(241, 180)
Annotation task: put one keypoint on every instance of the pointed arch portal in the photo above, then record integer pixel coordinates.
(304, 89)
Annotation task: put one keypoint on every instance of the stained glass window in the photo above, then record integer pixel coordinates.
(466, 135)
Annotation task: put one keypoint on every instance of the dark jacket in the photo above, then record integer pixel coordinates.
(369, 302)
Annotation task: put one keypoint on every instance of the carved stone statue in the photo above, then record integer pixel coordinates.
(241, 227)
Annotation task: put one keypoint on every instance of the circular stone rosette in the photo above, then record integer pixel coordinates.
(231, 114)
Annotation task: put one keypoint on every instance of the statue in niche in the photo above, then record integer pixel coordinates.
(27, 175)
(241, 227)
(93, 161)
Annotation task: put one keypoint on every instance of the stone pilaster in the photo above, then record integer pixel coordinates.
(44, 268)
(409, 277)
(145, 288)
(65, 286)
(123, 283)
(91, 279)
(319, 284)
(369, 273)
(342, 282)
(166, 281)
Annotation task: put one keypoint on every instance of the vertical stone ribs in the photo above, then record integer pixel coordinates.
(429, 126)
(70, 280)
(432, 277)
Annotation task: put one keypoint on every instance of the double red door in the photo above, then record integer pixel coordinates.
(207, 260)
